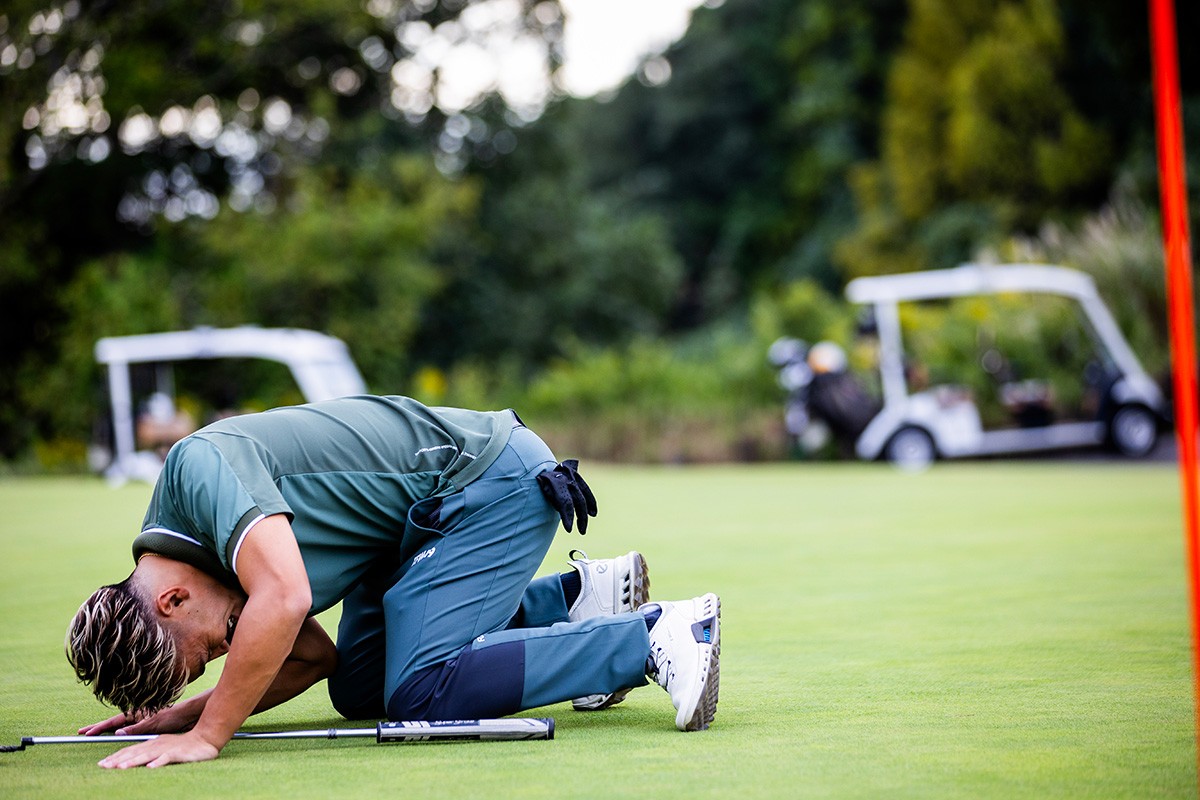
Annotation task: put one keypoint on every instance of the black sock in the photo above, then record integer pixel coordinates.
(652, 613)
(571, 586)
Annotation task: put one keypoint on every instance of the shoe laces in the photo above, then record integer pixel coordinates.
(660, 667)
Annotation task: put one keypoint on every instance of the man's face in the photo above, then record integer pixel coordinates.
(204, 630)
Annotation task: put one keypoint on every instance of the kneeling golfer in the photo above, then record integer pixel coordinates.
(428, 525)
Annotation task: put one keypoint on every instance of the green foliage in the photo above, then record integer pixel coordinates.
(357, 260)
(838, 54)
(802, 310)
(233, 101)
(555, 264)
(881, 243)
(83, 70)
(711, 397)
(117, 295)
(1012, 131)
(459, 253)
(744, 150)
(980, 136)
(1121, 248)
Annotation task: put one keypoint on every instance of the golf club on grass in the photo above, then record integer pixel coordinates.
(384, 733)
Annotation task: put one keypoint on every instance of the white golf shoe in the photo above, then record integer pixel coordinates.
(685, 649)
(607, 586)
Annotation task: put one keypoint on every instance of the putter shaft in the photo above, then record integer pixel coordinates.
(384, 732)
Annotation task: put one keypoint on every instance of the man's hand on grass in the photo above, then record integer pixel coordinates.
(173, 719)
(163, 750)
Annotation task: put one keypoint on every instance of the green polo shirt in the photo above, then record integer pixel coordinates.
(346, 472)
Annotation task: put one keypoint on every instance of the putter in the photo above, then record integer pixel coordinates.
(384, 733)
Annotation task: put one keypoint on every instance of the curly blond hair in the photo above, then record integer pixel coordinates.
(118, 647)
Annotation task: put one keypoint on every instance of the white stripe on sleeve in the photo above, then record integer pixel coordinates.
(238, 547)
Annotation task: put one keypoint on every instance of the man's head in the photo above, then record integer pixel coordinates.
(138, 643)
(116, 645)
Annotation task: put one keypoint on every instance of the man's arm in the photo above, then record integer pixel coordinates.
(272, 574)
(313, 659)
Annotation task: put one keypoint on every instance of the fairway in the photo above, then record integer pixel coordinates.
(988, 629)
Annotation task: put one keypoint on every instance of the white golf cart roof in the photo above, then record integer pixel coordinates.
(320, 364)
(972, 279)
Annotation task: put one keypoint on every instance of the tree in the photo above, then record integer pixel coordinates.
(697, 150)
(980, 137)
(744, 149)
(359, 261)
(554, 262)
(121, 120)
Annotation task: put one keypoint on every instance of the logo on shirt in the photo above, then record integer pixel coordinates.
(419, 557)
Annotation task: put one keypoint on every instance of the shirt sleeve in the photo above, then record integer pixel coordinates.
(221, 491)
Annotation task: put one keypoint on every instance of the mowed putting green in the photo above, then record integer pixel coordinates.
(981, 630)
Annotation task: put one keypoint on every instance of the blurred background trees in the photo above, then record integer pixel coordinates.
(615, 264)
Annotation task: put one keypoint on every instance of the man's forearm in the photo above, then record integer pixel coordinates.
(313, 659)
(293, 678)
(276, 610)
(266, 631)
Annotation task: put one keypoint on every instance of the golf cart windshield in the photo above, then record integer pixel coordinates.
(1053, 371)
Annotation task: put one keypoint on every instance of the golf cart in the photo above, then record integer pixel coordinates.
(918, 420)
(321, 366)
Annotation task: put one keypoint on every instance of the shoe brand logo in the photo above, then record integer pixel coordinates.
(422, 556)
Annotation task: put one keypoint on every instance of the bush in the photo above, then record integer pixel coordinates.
(802, 310)
(709, 398)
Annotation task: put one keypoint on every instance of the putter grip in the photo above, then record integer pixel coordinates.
(478, 729)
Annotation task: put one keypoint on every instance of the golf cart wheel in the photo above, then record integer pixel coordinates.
(910, 449)
(1133, 431)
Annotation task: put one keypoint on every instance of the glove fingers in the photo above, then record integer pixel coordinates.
(554, 489)
(572, 465)
(567, 508)
(568, 493)
(589, 498)
(578, 504)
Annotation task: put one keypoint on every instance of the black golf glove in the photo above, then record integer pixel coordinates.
(568, 494)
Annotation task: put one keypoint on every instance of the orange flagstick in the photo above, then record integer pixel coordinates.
(1180, 313)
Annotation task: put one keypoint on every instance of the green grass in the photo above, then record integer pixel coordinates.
(982, 630)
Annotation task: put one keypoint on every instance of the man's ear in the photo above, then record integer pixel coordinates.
(170, 599)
